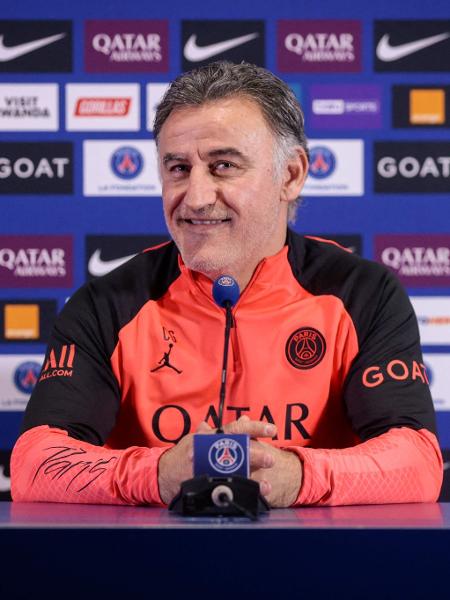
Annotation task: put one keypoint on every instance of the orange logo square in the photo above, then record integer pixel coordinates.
(21, 322)
(427, 107)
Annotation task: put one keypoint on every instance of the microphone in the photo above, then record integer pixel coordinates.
(226, 293)
(221, 484)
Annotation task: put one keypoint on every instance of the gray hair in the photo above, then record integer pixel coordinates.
(274, 97)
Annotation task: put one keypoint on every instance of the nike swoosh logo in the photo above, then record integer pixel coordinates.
(196, 53)
(8, 53)
(5, 482)
(388, 53)
(98, 267)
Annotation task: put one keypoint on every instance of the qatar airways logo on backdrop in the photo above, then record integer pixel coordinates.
(418, 260)
(35, 261)
(121, 46)
(316, 46)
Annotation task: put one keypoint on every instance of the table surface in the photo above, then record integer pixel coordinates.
(24, 515)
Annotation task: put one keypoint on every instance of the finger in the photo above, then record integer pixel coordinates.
(251, 428)
(265, 487)
(259, 459)
(203, 427)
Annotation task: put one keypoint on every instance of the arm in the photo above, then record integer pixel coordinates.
(60, 456)
(48, 465)
(390, 408)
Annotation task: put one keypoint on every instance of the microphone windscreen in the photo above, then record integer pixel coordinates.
(225, 289)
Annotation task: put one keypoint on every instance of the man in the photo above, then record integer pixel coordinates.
(325, 370)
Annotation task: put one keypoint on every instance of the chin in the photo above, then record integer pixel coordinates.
(211, 266)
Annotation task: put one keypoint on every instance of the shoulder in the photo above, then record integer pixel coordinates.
(366, 288)
(105, 305)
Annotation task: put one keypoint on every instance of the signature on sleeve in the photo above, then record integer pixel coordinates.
(68, 461)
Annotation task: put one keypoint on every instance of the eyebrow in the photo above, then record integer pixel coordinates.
(230, 151)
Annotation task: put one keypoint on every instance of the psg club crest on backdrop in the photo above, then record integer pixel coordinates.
(322, 163)
(127, 162)
(26, 376)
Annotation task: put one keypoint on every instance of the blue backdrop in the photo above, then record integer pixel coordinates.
(376, 109)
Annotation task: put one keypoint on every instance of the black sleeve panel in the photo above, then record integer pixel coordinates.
(77, 390)
(386, 385)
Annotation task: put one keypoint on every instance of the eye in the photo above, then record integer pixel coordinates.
(180, 168)
(223, 165)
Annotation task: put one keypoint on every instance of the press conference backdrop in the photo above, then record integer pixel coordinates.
(79, 190)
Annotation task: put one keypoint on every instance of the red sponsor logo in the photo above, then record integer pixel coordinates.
(59, 365)
(396, 369)
(102, 107)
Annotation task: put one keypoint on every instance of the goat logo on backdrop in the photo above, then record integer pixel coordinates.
(36, 167)
(423, 166)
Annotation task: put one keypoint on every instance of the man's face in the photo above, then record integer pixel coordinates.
(222, 197)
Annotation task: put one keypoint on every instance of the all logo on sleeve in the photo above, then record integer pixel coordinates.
(305, 348)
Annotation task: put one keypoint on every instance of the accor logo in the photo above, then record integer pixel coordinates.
(61, 366)
(397, 370)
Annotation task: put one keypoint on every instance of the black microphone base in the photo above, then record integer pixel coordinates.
(200, 496)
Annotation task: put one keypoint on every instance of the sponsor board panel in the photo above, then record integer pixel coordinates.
(433, 317)
(134, 46)
(5, 475)
(336, 168)
(419, 260)
(29, 107)
(155, 93)
(346, 106)
(438, 372)
(18, 376)
(36, 168)
(310, 46)
(412, 45)
(35, 46)
(421, 106)
(36, 261)
(120, 168)
(102, 107)
(419, 167)
(208, 41)
(26, 320)
(105, 253)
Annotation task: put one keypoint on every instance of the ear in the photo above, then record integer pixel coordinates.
(294, 175)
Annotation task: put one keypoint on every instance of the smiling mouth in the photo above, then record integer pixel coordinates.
(205, 221)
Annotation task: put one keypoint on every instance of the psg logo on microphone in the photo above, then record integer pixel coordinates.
(226, 456)
(305, 348)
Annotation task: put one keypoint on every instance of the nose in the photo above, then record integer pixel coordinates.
(201, 190)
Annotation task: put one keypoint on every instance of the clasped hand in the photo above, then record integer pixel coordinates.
(278, 472)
